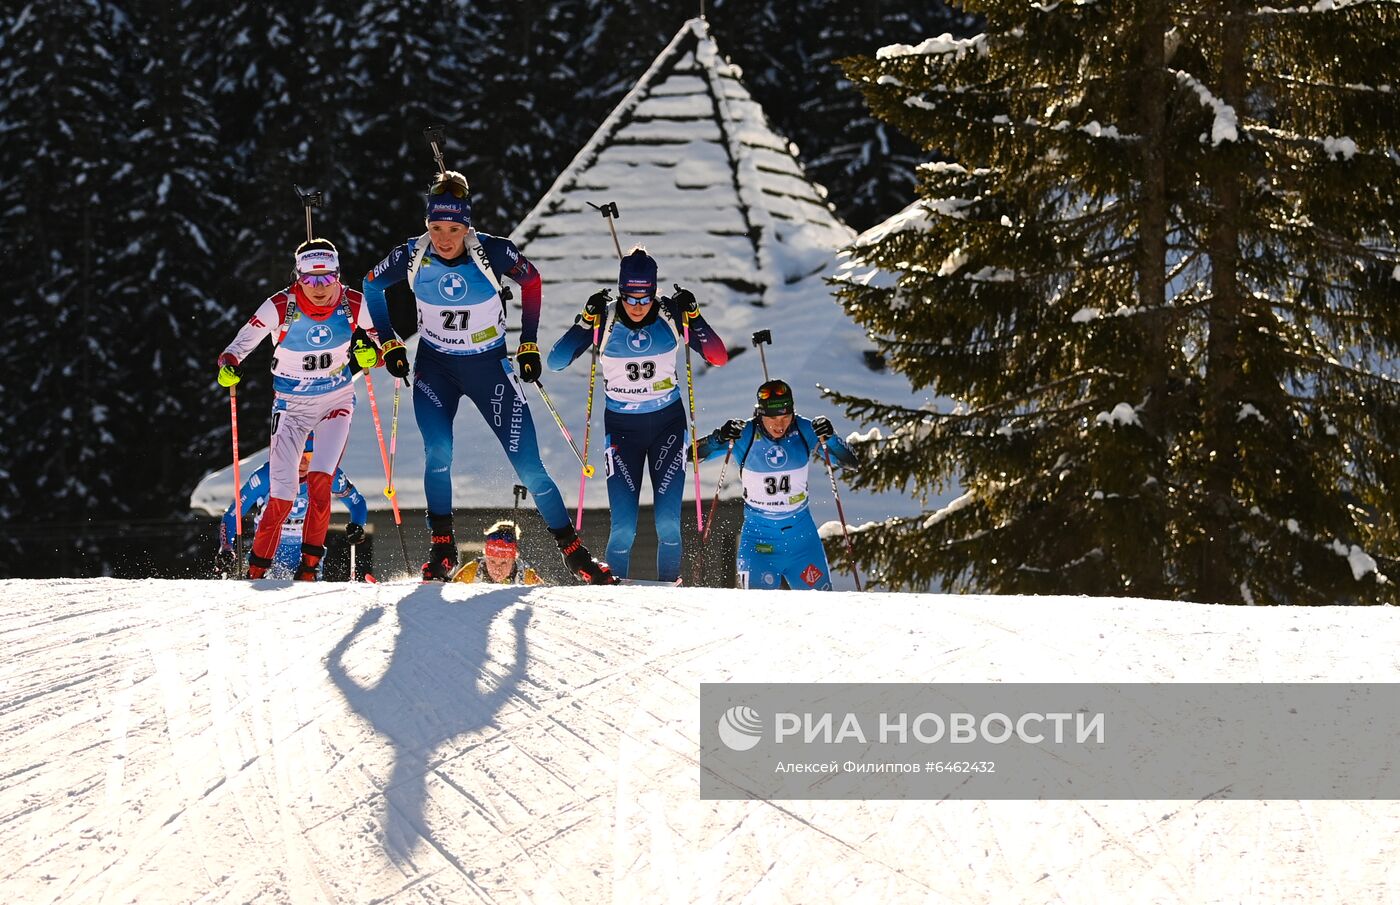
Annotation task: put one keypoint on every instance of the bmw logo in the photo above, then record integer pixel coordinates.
(319, 335)
(775, 456)
(452, 287)
(639, 341)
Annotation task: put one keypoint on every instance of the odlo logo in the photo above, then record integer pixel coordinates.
(740, 728)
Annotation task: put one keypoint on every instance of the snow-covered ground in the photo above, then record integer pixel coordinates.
(233, 742)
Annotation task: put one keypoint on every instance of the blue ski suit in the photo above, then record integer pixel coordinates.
(779, 541)
(644, 421)
(462, 352)
(254, 496)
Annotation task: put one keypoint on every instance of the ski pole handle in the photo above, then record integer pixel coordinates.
(437, 139)
(609, 212)
(309, 198)
(761, 338)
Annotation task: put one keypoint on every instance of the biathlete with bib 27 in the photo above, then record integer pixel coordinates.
(455, 274)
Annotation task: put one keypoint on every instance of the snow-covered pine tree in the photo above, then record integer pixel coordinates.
(789, 54)
(170, 205)
(1159, 285)
(404, 79)
(61, 106)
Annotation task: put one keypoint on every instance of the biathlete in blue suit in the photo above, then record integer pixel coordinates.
(454, 273)
(645, 416)
(778, 544)
(254, 496)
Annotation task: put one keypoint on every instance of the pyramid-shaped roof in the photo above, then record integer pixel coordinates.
(722, 203)
(700, 178)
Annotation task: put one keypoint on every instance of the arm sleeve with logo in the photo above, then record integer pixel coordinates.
(570, 346)
(365, 321)
(393, 269)
(841, 454)
(711, 447)
(253, 495)
(254, 331)
(706, 341)
(507, 261)
(352, 498)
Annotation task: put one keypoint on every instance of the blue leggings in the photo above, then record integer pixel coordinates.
(656, 439)
(439, 382)
(775, 550)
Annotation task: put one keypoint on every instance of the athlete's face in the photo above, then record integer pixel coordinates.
(636, 306)
(498, 567)
(448, 237)
(323, 294)
(775, 425)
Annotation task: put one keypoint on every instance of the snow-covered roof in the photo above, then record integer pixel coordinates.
(700, 178)
(722, 202)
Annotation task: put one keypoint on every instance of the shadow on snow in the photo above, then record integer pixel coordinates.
(430, 693)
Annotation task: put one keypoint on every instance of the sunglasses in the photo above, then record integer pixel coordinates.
(637, 300)
(448, 187)
(319, 279)
(772, 393)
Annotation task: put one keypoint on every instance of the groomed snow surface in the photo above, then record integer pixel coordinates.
(235, 742)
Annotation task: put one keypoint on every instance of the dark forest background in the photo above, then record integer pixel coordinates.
(147, 156)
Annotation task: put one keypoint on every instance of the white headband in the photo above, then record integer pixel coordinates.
(318, 260)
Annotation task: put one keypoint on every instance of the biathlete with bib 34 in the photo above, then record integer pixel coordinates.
(778, 544)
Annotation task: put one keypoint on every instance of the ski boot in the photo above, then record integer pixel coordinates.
(579, 560)
(258, 566)
(442, 558)
(310, 562)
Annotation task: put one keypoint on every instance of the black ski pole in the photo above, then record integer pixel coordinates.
(761, 337)
(437, 141)
(609, 212)
(310, 198)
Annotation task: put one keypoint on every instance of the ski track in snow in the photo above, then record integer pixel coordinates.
(232, 742)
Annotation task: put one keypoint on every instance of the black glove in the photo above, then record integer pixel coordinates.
(685, 302)
(226, 563)
(527, 362)
(730, 430)
(596, 306)
(821, 426)
(396, 359)
(354, 534)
